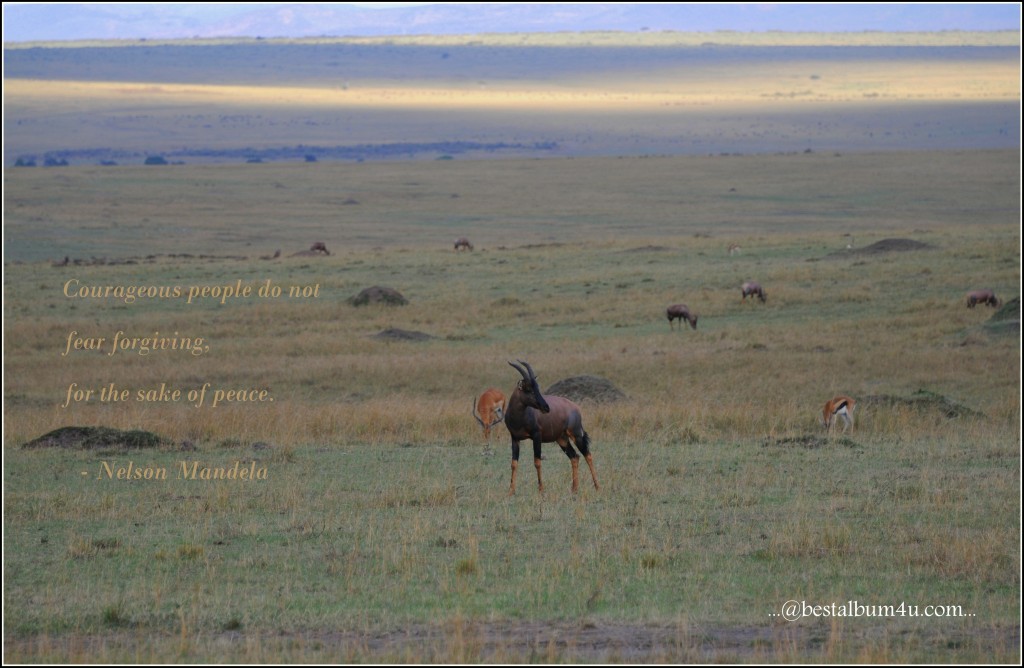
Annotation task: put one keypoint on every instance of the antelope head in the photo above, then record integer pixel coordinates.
(528, 388)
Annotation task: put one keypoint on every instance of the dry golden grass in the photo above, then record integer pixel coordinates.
(831, 325)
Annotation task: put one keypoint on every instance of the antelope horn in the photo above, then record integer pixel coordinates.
(475, 415)
(520, 369)
(528, 368)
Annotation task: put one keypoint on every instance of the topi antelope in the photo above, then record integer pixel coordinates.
(531, 415)
(976, 297)
(841, 406)
(462, 243)
(489, 410)
(682, 312)
(751, 288)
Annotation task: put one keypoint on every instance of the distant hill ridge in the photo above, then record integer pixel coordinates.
(59, 22)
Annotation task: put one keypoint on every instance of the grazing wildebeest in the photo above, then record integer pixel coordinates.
(320, 247)
(462, 243)
(981, 297)
(531, 415)
(751, 288)
(489, 410)
(840, 406)
(682, 312)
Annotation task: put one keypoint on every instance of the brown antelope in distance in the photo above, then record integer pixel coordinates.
(682, 312)
(841, 406)
(734, 249)
(462, 243)
(751, 288)
(489, 410)
(531, 415)
(976, 297)
(320, 247)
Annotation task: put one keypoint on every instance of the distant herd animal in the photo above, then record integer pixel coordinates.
(462, 243)
(976, 297)
(753, 288)
(681, 312)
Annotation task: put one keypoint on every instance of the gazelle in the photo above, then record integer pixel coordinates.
(489, 410)
(541, 419)
(840, 406)
(734, 249)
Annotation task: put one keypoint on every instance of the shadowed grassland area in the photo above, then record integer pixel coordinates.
(379, 531)
(511, 96)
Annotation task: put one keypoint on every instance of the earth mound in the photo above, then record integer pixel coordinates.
(97, 438)
(395, 334)
(923, 401)
(379, 295)
(1006, 320)
(809, 441)
(884, 246)
(590, 388)
(900, 245)
(1008, 311)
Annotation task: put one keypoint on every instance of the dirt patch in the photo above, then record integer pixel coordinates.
(587, 388)
(395, 334)
(464, 641)
(923, 401)
(538, 642)
(379, 295)
(647, 249)
(97, 438)
(883, 246)
(810, 441)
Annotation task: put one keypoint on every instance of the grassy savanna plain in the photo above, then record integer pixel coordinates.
(383, 533)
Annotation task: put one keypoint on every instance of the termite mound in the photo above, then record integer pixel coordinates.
(379, 295)
(97, 438)
(587, 388)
